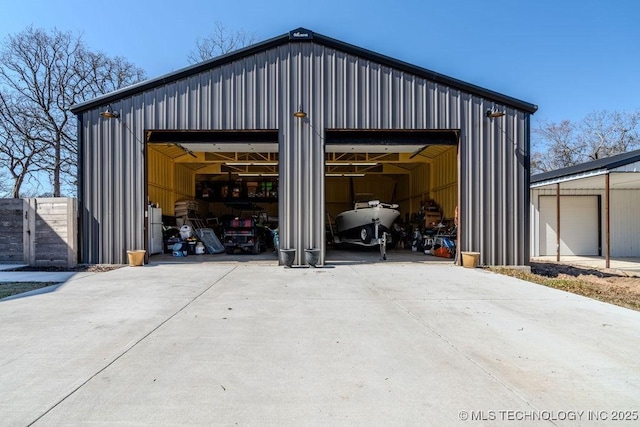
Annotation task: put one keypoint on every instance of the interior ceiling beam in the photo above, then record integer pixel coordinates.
(190, 157)
(353, 169)
(362, 157)
(248, 169)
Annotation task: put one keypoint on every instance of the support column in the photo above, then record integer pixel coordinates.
(558, 222)
(608, 221)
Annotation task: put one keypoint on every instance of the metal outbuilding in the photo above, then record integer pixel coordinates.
(428, 136)
(588, 209)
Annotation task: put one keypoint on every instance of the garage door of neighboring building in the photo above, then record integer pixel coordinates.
(579, 225)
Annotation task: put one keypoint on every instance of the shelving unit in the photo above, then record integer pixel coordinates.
(257, 190)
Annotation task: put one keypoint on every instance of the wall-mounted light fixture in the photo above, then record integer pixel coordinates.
(109, 113)
(300, 114)
(493, 113)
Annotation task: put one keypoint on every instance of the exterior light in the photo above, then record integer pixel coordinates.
(493, 113)
(300, 114)
(109, 113)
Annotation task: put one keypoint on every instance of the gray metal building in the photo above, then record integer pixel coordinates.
(473, 144)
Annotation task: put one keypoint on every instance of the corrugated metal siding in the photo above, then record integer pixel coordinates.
(535, 213)
(625, 227)
(337, 90)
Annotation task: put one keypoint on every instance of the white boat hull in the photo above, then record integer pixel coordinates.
(359, 224)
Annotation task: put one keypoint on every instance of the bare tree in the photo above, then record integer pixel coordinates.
(21, 148)
(600, 134)
(554, 146)
(220, 41)
(605, 133)
(48, 72)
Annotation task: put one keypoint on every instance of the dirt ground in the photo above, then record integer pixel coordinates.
(610, 286)
(91, 268)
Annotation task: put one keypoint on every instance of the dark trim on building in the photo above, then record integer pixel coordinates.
(607, 163)
(209, 136)
(390, 137)
(527, 194)
(80, 188)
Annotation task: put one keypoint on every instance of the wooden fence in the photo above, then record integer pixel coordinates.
(40, 232)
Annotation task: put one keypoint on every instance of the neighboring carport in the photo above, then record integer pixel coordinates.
(588, 209)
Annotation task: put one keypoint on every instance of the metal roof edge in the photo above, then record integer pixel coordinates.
(314, 38)
(606, 164)
(561, 179)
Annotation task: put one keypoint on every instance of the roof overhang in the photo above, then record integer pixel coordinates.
(595, 180)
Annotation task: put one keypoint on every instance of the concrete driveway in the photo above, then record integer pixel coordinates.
(404, 343)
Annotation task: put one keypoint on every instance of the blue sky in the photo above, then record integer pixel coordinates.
(568, 57)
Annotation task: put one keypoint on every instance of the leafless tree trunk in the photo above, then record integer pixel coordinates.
(48, 72)
(21, 148)
(220, 41)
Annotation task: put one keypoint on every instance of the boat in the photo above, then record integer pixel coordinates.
(358, 226)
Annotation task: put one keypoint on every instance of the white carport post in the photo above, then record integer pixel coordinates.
(558, 222)
(607, 219)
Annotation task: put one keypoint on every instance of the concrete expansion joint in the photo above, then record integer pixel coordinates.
(131, 347)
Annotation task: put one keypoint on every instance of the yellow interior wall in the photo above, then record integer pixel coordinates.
(436, 181)
(420, 184)
(444, 182)
(168, 182)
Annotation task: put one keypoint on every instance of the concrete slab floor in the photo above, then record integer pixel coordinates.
(404, 343)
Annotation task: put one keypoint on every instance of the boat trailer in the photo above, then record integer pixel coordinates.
(379, 238)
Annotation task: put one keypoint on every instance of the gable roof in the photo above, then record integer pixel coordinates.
(608, 163)
(304, 35)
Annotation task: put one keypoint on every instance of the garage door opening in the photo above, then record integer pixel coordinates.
(417, 170)
(220, 185)
(205, 179)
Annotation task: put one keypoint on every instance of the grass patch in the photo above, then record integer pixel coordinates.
(14, 288)
(610, 289)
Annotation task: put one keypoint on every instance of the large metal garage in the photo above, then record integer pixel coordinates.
(302, 123)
